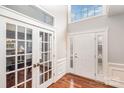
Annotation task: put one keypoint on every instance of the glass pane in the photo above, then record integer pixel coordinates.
(84, 12)
(41, 79)
(46, 56)
(28, 73)
(100, 41)
(41, 58)
(10, 47)
(100, 66)
(10, 80)
(29, 47)
(49, 19)
(46, 66)
(28, 60)
(100, 53)
(42, 47)
(100, 50)
(21, 47)
(21, 75)
(10, 31)
(10, 64)
(41, 68)
(21, 86)
(46, 76)
(46, 37)
(50, 74)
(98, 10)
(29, 34)
(91, 11)
(29, 84)
(21, 61)
(21, 32)
(10, 52)
(33, 12)
(41, 36)
(79, 12)
(50, 65)
(50, 43)
(46, 47)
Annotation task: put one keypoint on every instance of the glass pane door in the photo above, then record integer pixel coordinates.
(45, 58)
(100, 53)
(18, 56)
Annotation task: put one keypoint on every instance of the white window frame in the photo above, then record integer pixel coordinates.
(104, 12)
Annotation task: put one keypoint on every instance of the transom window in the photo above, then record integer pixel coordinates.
(79, 12)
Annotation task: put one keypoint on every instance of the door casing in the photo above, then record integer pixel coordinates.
(70, 37)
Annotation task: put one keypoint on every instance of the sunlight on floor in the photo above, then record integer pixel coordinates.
(71, 83)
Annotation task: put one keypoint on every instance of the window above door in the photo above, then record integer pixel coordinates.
(33, 11)
(82, 12)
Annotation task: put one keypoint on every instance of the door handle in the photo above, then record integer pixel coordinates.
(38, 64)
(34, 65)
(75, 55)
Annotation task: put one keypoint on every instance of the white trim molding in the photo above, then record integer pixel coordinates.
(116, 74)
(89, 31)
(60, 68)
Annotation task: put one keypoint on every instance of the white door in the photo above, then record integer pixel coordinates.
(18, 55)
(84, 55)
(45, 65)
(27, 55)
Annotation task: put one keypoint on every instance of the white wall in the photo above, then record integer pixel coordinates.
(60, 14)
(115, 36)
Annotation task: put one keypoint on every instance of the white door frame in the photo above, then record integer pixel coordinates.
(71, 35)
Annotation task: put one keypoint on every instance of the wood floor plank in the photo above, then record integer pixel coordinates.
(74, 81)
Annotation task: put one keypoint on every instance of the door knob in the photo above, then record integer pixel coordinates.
(38, 64)
(34, 65)
(76, 56)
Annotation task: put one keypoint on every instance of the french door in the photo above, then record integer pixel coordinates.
(18, 56)
(45, 65)
(27, 58)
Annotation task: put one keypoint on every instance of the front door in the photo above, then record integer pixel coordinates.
(84, 55)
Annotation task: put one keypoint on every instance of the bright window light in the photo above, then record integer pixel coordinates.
(79, 12)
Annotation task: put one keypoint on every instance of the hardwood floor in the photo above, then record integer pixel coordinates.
(74, 81)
